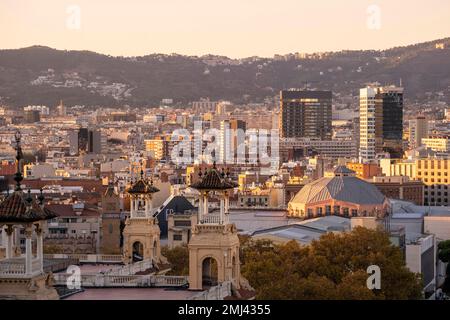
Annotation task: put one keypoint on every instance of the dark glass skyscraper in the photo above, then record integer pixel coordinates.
(305, 114)
(389, 100)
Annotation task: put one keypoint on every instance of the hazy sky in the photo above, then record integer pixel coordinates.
(236, 28)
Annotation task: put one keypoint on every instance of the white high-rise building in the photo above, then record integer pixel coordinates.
(367, 137)
(418, 130)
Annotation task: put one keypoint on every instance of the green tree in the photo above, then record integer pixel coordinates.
(444, 251)
(178, 257)
(444, 256)
(333, 267)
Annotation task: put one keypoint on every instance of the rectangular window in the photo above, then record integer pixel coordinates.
(319, 212)
(177, 237)
(182, 223)
(346, 212)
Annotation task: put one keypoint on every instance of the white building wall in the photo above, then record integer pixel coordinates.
(413, 255)
(367, 124)
(439, 226)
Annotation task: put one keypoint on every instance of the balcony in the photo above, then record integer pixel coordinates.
(15, 267)
(215, 219)
(139, 214)
(58, 225)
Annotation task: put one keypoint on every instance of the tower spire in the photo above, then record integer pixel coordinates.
(19, 156)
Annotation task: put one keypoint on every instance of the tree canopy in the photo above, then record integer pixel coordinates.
(444, 256)
(333, 267)
(178, 257)
(444, 251)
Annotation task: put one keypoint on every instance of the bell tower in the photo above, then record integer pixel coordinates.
(214, 246)
(141, 232)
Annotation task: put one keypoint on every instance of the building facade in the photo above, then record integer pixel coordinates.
(400, 187)
(305, 114)
(342, 194)
(433, 172)
(418, 130)
(381, 122)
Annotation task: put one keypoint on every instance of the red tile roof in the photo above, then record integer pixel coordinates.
(19, 207)
(7, 169)
(142, 187)
(88, 185)
(66, 210)
(213, 180)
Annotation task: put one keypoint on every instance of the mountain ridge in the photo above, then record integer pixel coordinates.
(43, 75)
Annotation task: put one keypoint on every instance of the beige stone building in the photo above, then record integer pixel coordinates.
(76, 229)
(141, 234)
(179, 229)
(214, 246)
(110, 230)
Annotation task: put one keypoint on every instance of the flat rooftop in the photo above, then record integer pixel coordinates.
(302, 234)
(249, 221)
(96, 268)
(328, 223)
(406, 207)
(132, 294)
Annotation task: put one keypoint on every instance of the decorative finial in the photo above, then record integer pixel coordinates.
(142, 174)
(41, 197)
(214, 164)
(228, 172)
(18, 136)
(200, 172)
(223, 173)
(29, 199)
(19, 156)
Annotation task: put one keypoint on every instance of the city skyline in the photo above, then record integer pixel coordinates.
(245, 151)
(238, 30)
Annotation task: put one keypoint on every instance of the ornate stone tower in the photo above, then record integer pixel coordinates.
(23, 277)
(141, 233)
(214, 246)
(111, 221)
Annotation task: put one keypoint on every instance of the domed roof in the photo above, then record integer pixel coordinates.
(19, 207)
(110, 191)
(214, 180)
(142, 186)
(343, 170)
(342, 188)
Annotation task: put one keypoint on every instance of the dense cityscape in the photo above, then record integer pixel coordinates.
(276, 188)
